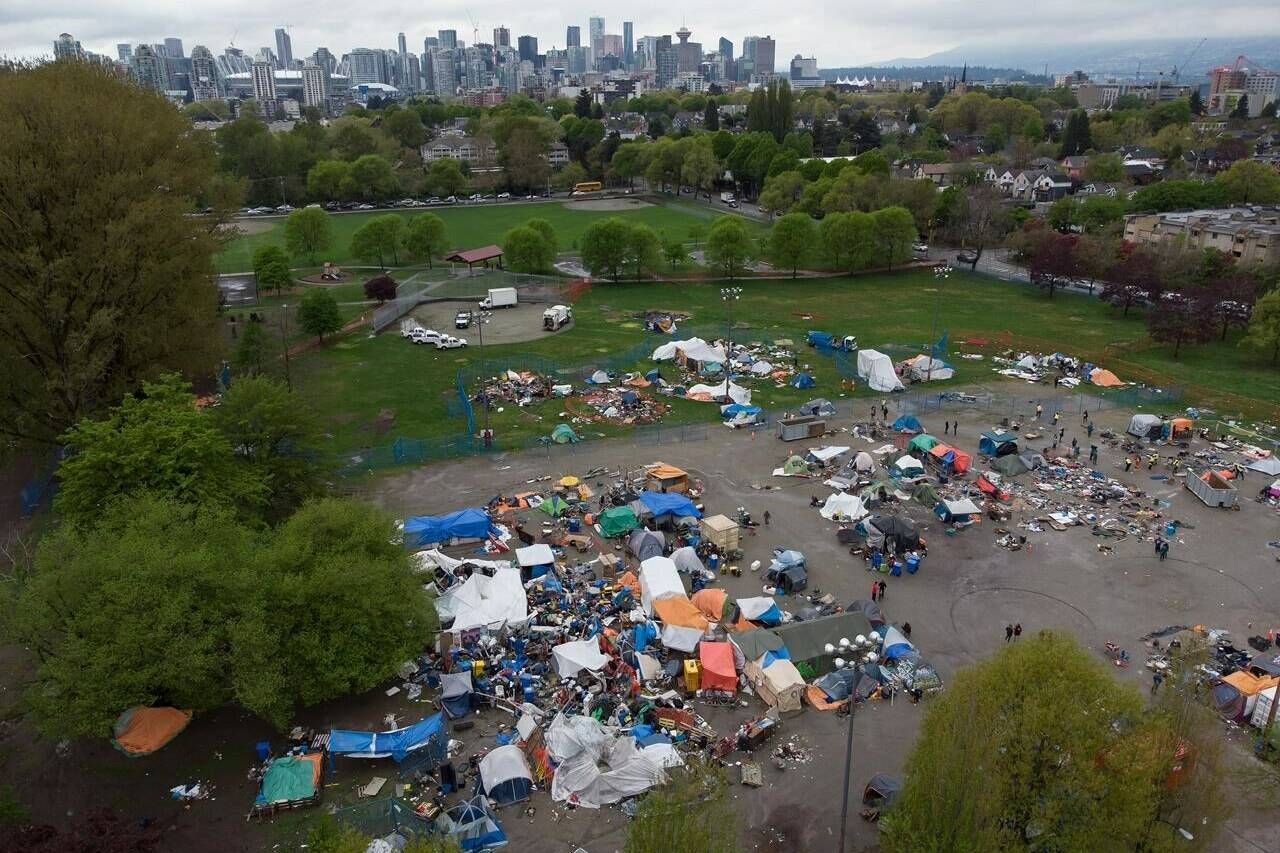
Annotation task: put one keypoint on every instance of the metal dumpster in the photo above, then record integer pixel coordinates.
(797, 428)
(1213, 489)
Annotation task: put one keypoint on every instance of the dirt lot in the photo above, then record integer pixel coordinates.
(608, 205)
(1220, 572)
(523, 322)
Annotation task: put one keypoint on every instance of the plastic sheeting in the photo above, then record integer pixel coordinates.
(596, 767)
(843, 506)
(291, 777)
(896, 643)
(909, 464)
(535, 555)
(876, 369)
(761, 608)
(726, 390)
(659, 579)
(686, 560)
(1144, 425)
(826, 454)
(420, 530)
(142, 730)
(669, 503)
(573, 658)
(718, 672)
(395, 743)
(482, 601)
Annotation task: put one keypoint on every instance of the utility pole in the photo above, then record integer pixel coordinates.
(284, 340)
(862, 650)
(482, 317)
(940, 274)
(730, 295)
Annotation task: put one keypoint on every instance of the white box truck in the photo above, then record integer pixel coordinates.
(728, 198)
(499, 297)
(556, 317)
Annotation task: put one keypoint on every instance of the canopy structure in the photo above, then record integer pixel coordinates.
(473, 825)
(535, 555)
(644, 543)
(802, 380)
(658, 579)
(564, 434)
(423, 530)
(669, 503)
(505, 776)
(290, 778)
(718, 672)
(843, 507)
(1145, 426)
(572, 658)
(922, 443)
(762, 609)
(997, 443)
(909, 465)
(907, 423)
(819, 407)
(876, 369)
(617, 520)
(482, 601)
(807, 641)
(141, 730)
(825, 455)
(725, 392)
(396, 743)
(779, 684)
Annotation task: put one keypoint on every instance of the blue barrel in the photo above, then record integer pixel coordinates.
(913, 564)
(1170, 529)
(896, 571)
(574, 525)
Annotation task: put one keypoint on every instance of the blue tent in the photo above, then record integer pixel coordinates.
(423, 530)
(668, 503)
(896, 644)
(474, 825)
(802, 380)
(734, 409)
(653, 375)
(993, 443)
(396, 743)
(907, 423)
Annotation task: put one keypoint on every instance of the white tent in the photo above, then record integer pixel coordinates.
(1269, 466)
(964, 506)
(762, 368)
(1141, 425)
(921, 372)
(1027, 362)
(428, 561)
(909, 464)
(535, 555)
(482, 601)
(686, 560)
(844, 507)
(573, 658)
(659, 578)
(779, 684)
(599, 378)
(703, 352)
(863, 462)
(826, 454)
(876, 369)
(725, 390)
(754, 608)
(504, 764)
(598, 768)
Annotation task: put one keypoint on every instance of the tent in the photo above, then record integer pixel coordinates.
(669, 503)
(897, 531)
(922, 443)
(733, 410)
(600, 377)
(951, 458)
(824, 455)
(141, 730)
(788, 570)
(290, 778)
(1028, 362)
(779, 684)
(423, 530)
(1104, 378)
(724, 392)
(881, 791)
(876, 369)
(658, 579)
(895, 644)
(564, 434)
(761, 609)
(617, 520)
(802, 380)
(924, 493)
(793, 466)
(997, 443)
(455, 694)
(554, 506)
(397, 743)
(710, 602)
(505, 776)
(718, 672)
(683, 624)
(819, 407)
(1145, 426)
(807, 641)
(762, 368)
(473, 825)
(644, 543)
(485, 601)
(687, 562)
(926, 369)
(909, 465)
(907, 423)
(1010, 466)
(843, 507)
(572, 658)
(954, 511)
(662, 477)
(1269, 465)
(863, 463)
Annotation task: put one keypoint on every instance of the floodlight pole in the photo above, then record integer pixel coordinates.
(848, 764)
(730, 295)
(940, 273)
(482, 318)
(284, 340)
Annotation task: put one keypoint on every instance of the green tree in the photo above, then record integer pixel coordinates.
(711, 116)
(308, 231)
(848, 239)
(425, 237)
(329, 180)
(1076, 138)
(604, 247)
(405, 128)
(1195, 104)
(271, 268)
(781, 192)
(105, 278)
(378, 238)
(1060, 746)
(1250, 182)
(1098, 212)
(1264, 327)
(318, 315)
(1176, 195)
(791, 240)
(1064, 213)
(674, 251)
(525, 249)
(274, 430)
(730, 246)
(691, 812)
(373, 177)
(1107, 167)
(159, 443)
(1241, 109)
(895, 232)
(251, 348)
(643, 247)
(582, 104)
(351, 139)
(699, 167)
(445, 178)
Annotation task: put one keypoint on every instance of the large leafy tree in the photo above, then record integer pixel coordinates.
(730, 247)
(271, 268)
(1251, 182)
(308, 231)
(526, 249)
(157, 442)
(1264, 327)
(1132, 280)
(373, 177)
(849, 239)
(1056, 262)
(251, 349)
(445, 178)
(424, 237)
(791, 241)
(895, 231)
(1181, 319)
(644, 247)
(319, 315)
(379, 238)
(604, 247)
(691, 812)
(105, 278)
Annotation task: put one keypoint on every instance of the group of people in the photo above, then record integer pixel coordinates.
(1012, 632)
(1162, 548)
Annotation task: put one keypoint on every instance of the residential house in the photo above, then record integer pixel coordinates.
(1024, 183)
(1051, 186)
(1045, 164)
(1074, 166)
(942, 174)
(1141, 172)
(1004, 180)
(888, 126)
(558, 155)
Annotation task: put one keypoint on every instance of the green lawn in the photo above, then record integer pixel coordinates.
(354, 380)
(469, 226)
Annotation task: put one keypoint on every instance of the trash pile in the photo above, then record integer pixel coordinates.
(521, 388)
(1064, 370)
(699, 361)
(619, 405)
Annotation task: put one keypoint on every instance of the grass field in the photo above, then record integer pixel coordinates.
(468, 226)
(372, 390)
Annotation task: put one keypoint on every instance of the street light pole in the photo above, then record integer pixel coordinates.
(862, 649)
(284, 340)
(482, 317)
(730, 295)
(940, 274)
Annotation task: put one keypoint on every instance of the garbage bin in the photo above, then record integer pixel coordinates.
(896, 571)
(913, 564)
(692, 675)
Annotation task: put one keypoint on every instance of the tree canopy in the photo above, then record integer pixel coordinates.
(425, 236)
(308, 231)
(318, 315)
(730, 246)
(791, 240)
(526, 249)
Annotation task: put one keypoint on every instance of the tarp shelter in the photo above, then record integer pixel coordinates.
(762, 609)
(600, 377)
(423, 530)
(1178, 426)
(597, 768)
(997, 443)
(926, 369)
(658, 579)
(617, 520)
(718, 672)
(819, 407)
(881, 791)
(876, 369)
(757, 643)
(907, 423)
(951, 457)
(483, 601)
(896, 531)
(673, 504)
(825, 455)
(1028, 362)
(683, 624)
(1269, 465)
(710, 602)
(724, 392)
(896, 644)
(572, 658)
(1010, 466)
(733, 410)
(473, 825)
(843, 507)
(922, 443)
(455, 693)
(666, 478)
(807, 641)
(779, 684)
(396, 743)
(794, 465)
(686, 560)
(564, 434)
(289, 778)
(909, 465)
(953, 511)
(535, 556)
(505, 776)
(924, 494)
(142, 730)
(761, 368)
(554, 506)
(645, 543)
(802, 380)
(864, 463)
(1104, 378)
(788, 571)
(869, 609)
(1145, 426)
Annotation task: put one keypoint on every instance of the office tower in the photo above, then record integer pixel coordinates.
(688, 53)
(148, 68)
(628, 43)
(448, 39)
(501, 37)
(324, 59)
(573, 37)
(445, 72)
(528, 48)
(264, 81)
(804, 68)
(124, 52)
(401, 44)
(173, 48)
(367, 66)
(315, 86)
(430, 43)
(66, 47)
(726, 49)
(595, 30)
(284, 48)
(265, 54)
(764, 55)
(204, 74)
(410, 73)
(666, 62)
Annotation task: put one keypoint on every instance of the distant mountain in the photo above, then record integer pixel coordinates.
(1118, 58)
(913, 70)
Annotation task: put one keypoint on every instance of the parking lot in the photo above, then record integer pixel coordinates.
(522, 322)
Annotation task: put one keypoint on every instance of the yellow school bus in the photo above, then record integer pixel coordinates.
(587, 187)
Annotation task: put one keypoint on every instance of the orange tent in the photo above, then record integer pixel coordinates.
(960, 461)
(710, 602)
(142, 730)
(1105, 378)
(1178, 425)
(718, 672)
(679, 610)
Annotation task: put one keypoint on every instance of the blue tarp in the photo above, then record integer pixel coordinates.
(668, 503)
(396, 743)
(775, 655)
(474, 825)
(644, 633)
(990, 442)
(820, 339)
(739, 409)
(422, 530)
(653, 375)
(802, 380)
(907, 423)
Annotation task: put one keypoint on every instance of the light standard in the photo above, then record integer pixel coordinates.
(284, 341)
(482, 317)
(940, 274)
(861, 651)
(730, 295)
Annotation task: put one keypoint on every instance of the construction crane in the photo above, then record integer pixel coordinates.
(1177, 69)
(475, 28)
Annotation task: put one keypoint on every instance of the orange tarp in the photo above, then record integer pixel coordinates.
(1249, 684)
(1105, 378)
(679, 610)
(141, 730)
(637, 381)
(961, 460)
(718, 672)
(710, 602)
(630, 581)
(818, 699)
(1178, 425)
(317, 768)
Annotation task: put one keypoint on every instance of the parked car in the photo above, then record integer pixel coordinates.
(967, 257)
(425, 336)
(284, 208)
(435, 199)
(921, 248)
(364, 207)
(453, 199)
(504, 195)
(462, 320)
(333, 205)
(475, 197)
(450, 342)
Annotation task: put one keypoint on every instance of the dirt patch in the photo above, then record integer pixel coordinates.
(608, 205)
(318, 278)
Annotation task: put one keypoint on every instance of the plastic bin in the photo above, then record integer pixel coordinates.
(692, 675)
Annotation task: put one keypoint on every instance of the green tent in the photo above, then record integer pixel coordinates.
(618, 520)
(288, 778)
(923, 442)
(564, 434)
(925, 494)
(794, 465)
(554, 506)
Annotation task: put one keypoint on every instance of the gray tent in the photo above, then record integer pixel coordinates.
(754, 644)
(821, 407)
(686, 560)
(646, 543)
(807, 641)
(896, 531)
(869, 609)
(1010, 466)
(788, 571)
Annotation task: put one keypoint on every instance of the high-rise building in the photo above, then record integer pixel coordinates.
(148, 68)
(528, 48)
(726, 49)
(688, 53)
(365, 65)
(448, 39)
(324, 59)
(173, 48)
(315, 86)
(66, 47)
(501, 38)
(264, 81)
(445, 72)
(205, 81)
(410, 73)
(666, 63)
(612, 46)
(430, 43)
(573, 37)
(764, 56)
(578, 59)
(401, 44)
(628, 43)
(284, 48)
(265, 54)
(124, 52)
(595, 29)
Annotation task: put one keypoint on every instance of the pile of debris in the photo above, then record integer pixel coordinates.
(619, 405)
(1064, 370)
(523, 388)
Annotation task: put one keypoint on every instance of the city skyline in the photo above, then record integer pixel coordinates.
(889, 31)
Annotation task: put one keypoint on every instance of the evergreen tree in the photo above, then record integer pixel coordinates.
(582, 105)
(711, 117)
(1242, 108)
(1196, 105)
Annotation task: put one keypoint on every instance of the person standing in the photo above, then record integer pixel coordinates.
(1164, 549)
(883, 586)
(874, 590)
(1128, 463)
(1008, 633)
(1056, 417)
(873, 412)
(906, 630)
(1084, 419)
(767, 516)
(1157, 678)
(955, 428)
(1017, 631)
(946, 427)
(1039, 411)
(1089, 429)
(884, 411)
(1093, 453)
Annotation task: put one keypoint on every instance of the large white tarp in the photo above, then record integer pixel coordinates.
(597, 767)
(573, 658)
(964, 506)
(921, 370)
(686, 560)
(658, 579)
(844, 507)
(908, 464)
(1140, 425)
(502, 765)
(426, 561)
(1269, 465)
(731, 390)
(681, 638)
(535, 555)
(826, 454)
(695, 349)
(762, 368)
(876, 369)
(481, 601)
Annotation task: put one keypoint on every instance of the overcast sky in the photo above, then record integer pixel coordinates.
(837, 34)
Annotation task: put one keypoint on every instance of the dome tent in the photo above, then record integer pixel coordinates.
(564, 434)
